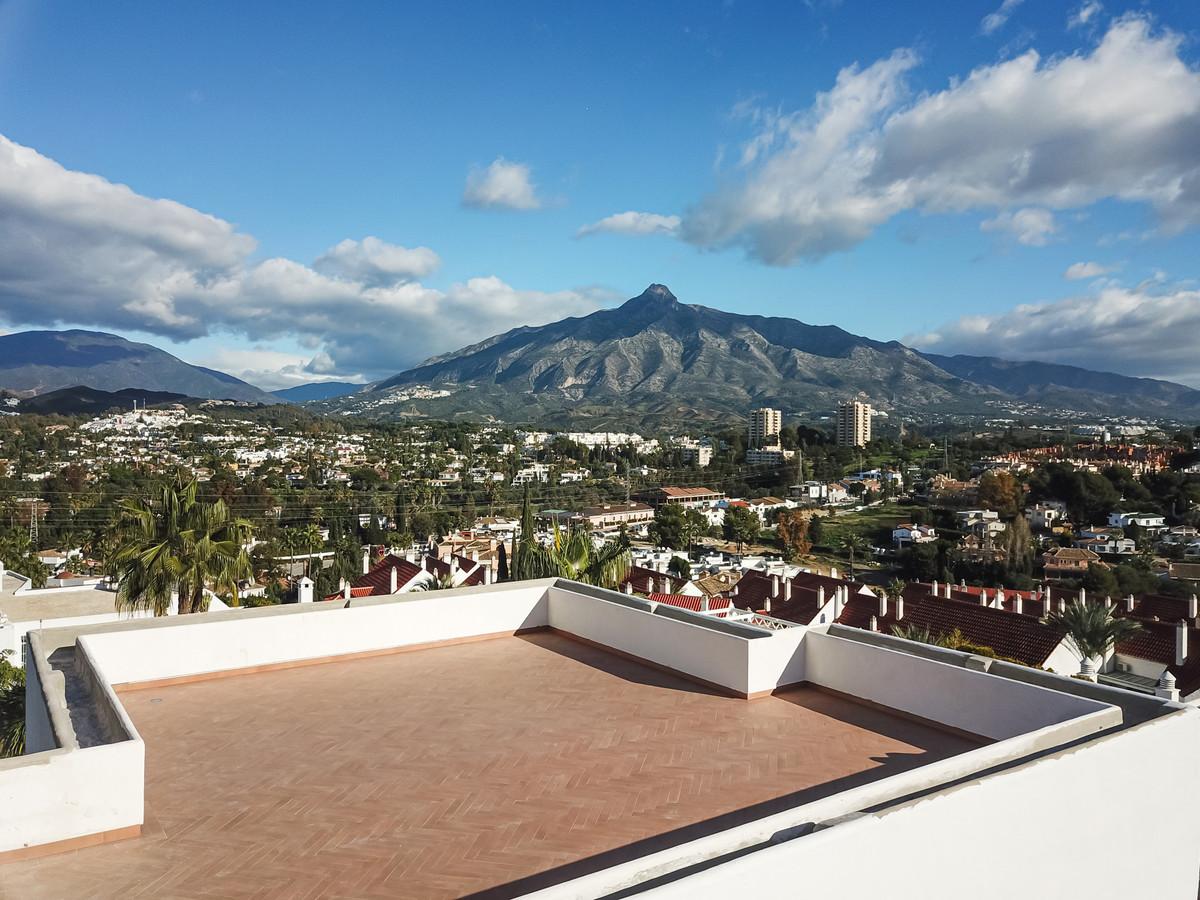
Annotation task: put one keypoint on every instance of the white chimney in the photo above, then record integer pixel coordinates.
(837, 603)
(1193, 604)
(946, 590)
(1166, 687)
(346, 591)
(882, 605)
(1018, 603)
(424, 563)
(453, 566)
(983, 601)
(629, 588)
(874, 624)
(1062, 604)
(304, 592)
(774, 585)
(1082, 595)
(733, 591)
(899, 608)
(787, 591)
(820, 596)
(1129, 603)
(366, 559)
(767, 605)
(1181, 642)
(487, 573)
(2, 571)
(1108, 602)
(394, 580)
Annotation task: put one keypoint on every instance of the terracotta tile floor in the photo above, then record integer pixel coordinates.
(442, 772)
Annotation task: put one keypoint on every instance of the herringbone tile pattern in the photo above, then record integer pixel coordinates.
(453, 770)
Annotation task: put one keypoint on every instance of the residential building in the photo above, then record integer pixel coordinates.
(1044, 516)
(854, 423)
(812, 742)
(1068, 562)
(1151, 522)
(764, 429)
(611, 516)
(907, 534)
(696, 453)
(768, 456)
(680, 496)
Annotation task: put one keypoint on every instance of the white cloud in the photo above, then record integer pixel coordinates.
(377, 262)
(1031, 226)
(502, 185)
(996, 20)
(1145, 330)
(1081, 270)
(75, 248)
(1121, 121)
(272, 370)
(632, 223)
(1085, 14)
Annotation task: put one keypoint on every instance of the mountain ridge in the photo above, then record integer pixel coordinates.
(38, 362)
(658, 358)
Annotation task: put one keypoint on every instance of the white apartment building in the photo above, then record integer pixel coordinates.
(765, 426)
(854, 423)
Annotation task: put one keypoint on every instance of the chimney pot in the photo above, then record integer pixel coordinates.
(899, 608)
(882, 605)
(1181, 642)
(774, 585)
(1193, 606)
(1018, 604)
(366, 562)
(394, 580)
(874, 624)
(787, 590)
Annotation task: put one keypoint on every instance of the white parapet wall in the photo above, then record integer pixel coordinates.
(950, 695)
(1043, 829)
(67, 791)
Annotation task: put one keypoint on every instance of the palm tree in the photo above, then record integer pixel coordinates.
(852, 543)
(895, 589)
(573, 555)
(437, 583)
(1092, 630)
(177, 544)
(12, 707)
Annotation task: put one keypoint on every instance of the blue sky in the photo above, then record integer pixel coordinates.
(829, 161)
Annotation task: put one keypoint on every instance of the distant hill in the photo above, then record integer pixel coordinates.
(1054, 384)
(317, 390)
(36, 362)
(658, 361)
(79, 399)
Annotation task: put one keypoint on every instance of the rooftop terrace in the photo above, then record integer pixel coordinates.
(549, 738)
(445, 771)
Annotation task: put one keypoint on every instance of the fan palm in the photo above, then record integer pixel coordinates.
(177, 544)
(1092, 630)
(853, 544)
(573, 555)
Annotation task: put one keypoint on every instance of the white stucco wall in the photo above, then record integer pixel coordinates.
(977, 839)
(711, 655)
(243, 639)
(961, 698)
(61, 794)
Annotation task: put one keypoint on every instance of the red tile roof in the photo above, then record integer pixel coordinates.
(1023, 637)
(647, 581)
(695, 604)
